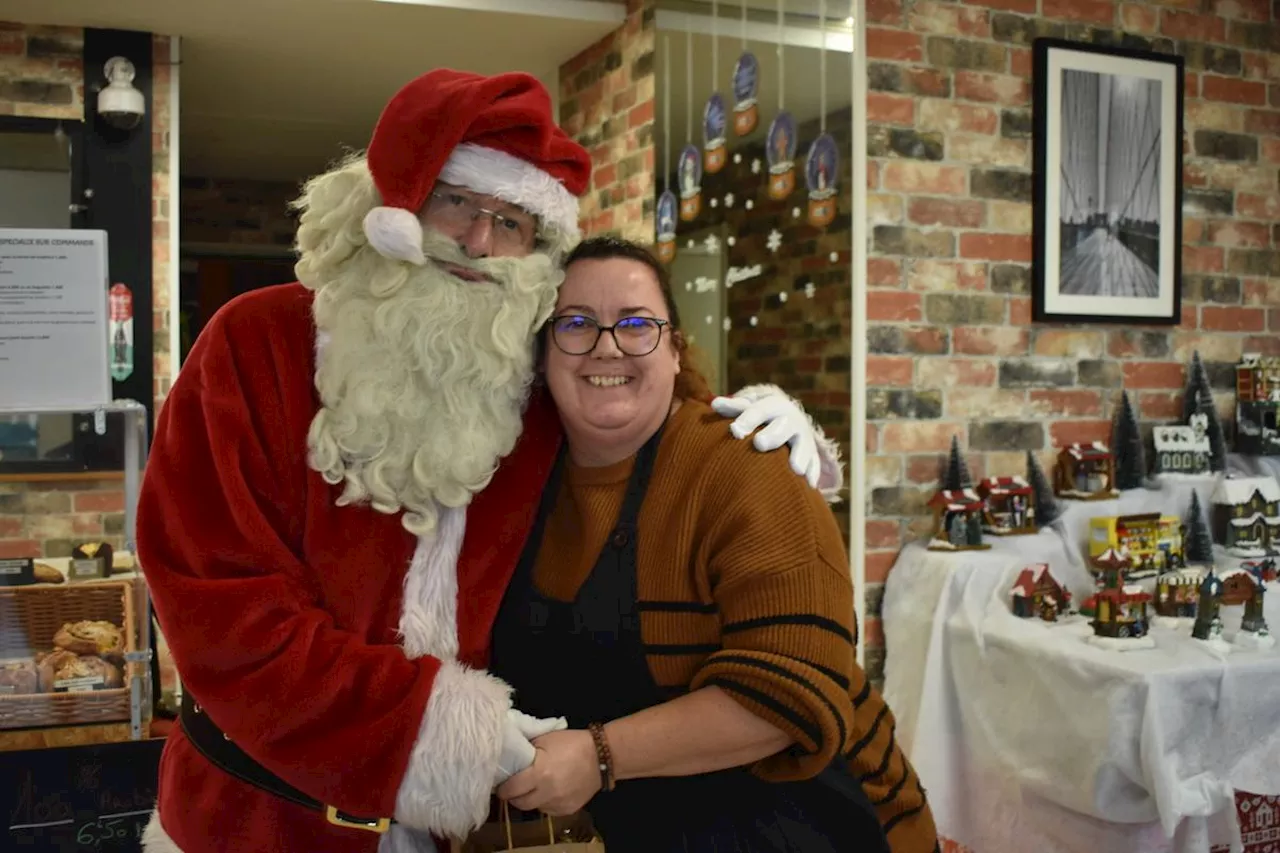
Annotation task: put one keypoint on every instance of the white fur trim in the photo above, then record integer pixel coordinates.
(446, 788)
(491, 172)
(831, 480)
(155, 839)
(429, 617)
(396, 233)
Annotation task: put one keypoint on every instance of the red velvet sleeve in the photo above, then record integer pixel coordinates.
(221, 510)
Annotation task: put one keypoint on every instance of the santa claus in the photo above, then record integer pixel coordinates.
(343, 477)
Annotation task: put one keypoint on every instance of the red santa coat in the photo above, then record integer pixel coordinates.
(286, 614)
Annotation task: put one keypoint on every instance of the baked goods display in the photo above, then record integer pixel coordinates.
(86, 655)
(90, 638)
(45, 573)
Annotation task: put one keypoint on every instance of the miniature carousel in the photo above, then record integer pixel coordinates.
(1119, 610)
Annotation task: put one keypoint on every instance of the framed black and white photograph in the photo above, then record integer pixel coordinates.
(1108, 184)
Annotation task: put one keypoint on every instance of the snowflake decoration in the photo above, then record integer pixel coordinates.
(755, 321)
(775, 240)
(755, 166)
(712, 244)
(835, 256)
(710, 319)
(737, 158)
(727, 324)
(715, 202)
(750, 204)
(690, 244)
(731, 240)
(728, 199)
(688, 285)
(809, 290)
(782, 297)
(795, 213)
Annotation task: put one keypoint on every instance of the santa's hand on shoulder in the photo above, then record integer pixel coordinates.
(782, 421)
(517, 742)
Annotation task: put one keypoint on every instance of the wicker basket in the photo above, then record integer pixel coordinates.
(30, 616)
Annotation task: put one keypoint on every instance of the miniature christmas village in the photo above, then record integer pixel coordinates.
(1000, 506)
(1246, 516)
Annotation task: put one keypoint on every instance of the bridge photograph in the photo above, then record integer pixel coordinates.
(1109, 212)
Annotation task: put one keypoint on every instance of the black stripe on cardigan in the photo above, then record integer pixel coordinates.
(810, 730)
(863, 695)
(893, 792)
(807, 619)
(677, 607)
(884, 761)
(911, 812)
(783, 672)
(870, 735)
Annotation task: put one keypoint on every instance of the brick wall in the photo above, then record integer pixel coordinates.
(952, 347)
(41, 75)
(252, 213)
(607, 104)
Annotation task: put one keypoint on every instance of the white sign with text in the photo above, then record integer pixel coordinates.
(53, 319)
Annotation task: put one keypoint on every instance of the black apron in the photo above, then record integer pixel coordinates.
(585, 661)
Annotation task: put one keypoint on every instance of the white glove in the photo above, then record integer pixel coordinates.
(517, 747)
(785, 423)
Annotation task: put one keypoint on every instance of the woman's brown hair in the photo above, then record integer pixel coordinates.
(691, 384)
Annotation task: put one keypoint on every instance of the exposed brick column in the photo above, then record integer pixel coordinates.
(607, 104)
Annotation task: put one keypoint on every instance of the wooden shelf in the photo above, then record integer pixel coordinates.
(63, 477)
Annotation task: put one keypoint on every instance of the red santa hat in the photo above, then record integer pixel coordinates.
(493, 135)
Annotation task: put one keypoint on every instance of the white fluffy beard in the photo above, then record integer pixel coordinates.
(422, 377)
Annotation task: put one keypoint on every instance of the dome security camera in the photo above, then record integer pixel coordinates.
(120, 104)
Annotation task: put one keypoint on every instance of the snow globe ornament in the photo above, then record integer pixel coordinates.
(781, 151)
(820, 172)
(713, 132)
(746, 84)
(690, 183)
(666, 236)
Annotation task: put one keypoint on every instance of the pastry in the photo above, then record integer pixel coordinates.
(90, 638)
(46, 573)
(19, 677)
(88, 666)
(122, 561)
(48, 664)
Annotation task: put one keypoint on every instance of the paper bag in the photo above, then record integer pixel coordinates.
(542, 836)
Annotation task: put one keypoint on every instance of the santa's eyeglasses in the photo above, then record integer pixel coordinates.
(453, 208)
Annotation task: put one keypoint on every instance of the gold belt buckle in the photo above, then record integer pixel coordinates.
(378, 825)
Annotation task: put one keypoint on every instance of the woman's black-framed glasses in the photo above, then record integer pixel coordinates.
(575, 334)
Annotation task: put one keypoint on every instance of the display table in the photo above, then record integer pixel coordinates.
(1029, 738)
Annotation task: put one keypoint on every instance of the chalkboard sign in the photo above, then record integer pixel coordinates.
(80, 798)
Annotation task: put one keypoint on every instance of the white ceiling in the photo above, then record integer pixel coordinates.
(275, 89)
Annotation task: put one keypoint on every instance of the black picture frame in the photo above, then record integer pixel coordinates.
(1107, 184)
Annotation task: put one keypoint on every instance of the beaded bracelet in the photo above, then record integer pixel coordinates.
(604, 756)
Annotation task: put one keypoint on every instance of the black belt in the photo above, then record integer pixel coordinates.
(221, 752)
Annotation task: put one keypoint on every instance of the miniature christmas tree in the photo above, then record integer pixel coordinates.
(1198, 542)
(957, 475)
(1198, 399)
(1126, 443)
(1047, 509)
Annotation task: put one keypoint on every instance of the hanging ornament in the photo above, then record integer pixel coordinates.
(820, 171)
(822, 166)
(120, 301)
(690, 183)
(781, 152)
(713, 115)
(746, 82)
(713, 128)
(666, 214)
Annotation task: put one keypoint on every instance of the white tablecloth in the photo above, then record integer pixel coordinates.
(1028, 738)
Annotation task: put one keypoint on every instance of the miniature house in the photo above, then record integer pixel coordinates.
(1008, 506)
(1120, 612)
(1183, 449)
(1258, 406)
(1237, 586)
(1246, 515)
(1086, 472)
(1177, 593)
(1037, 592)
(1151, 541)
(958, 515)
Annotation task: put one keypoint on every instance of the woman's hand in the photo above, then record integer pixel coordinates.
(565, 775)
